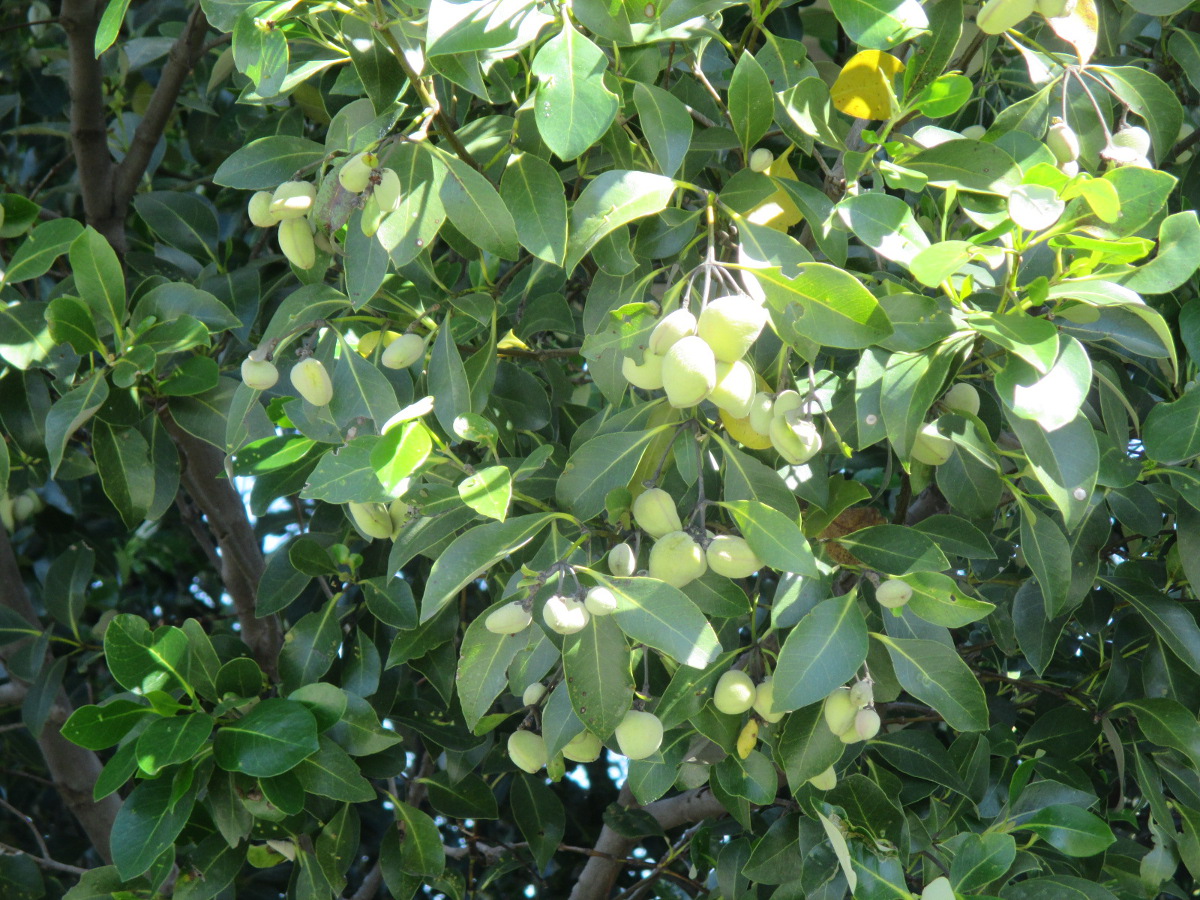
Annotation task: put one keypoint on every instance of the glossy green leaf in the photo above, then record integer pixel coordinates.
(821, 653)
(663, 617)
(573, 107)
(935, 674)
(596, 669)
(269, 740)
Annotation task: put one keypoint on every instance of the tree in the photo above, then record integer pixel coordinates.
(495, 448)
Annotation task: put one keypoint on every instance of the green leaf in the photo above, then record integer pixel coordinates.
(775, 538)
(821, 653)
(611, 200)
(1172, 622)
(825, 304)
(572, 105)
(533, 192)
(1065, 462)
(70, 412)
(266, 163)
(1032, 339)
(1048, 554)
(361, 391)
(666, 124)
(662, 617)
(921, 755)
(774, 859)
(330, 772)
(1150, 97)
(475, 209)
(895, 550)
(1057, 887)
(1168, 723)
(938, 599)
(400, 453)
(596, 669)
(1177, 258)
(37, 253)
(806, 747)
(167, 742)
(126, 470)
(98, 277)
(980, 859)
(599, 466)
(421, 851)
(185, 221)
(540, 816)
(1171, 433)
(472, 554)
(468, 798)
(110, 25)
(488, 491)
(1071, 830)
(141, 661)
(909, 385)
(269, 740)
(101, 727)
(407, 232)
(310, 647)
(448, 380)
(751, 103)
(971, 166)
(347, 476)
(936, 675)
(880, 24)
(885, 224)
(147, 824)
(1052, 399)
(483, 664)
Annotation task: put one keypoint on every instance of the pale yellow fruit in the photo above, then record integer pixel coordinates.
(259, 374)
(938, 889)
(742, 432)
(1070, 169)
(974, 132)
(764, 701)
(648, 375)
(839, 711)
(796, 439)
(259, 209)
(893, 593)
(761, 159)
(533, 694)
(600, 601)
(585, 747)
(654, 512)
(26, 504)
(826, 781)
(372, 216)
(963, 398)
(762, 410)
(387, 192)
(1063, 142)
(747, 738)
(931, 446)
(671, 329)
(866, 724)
(372, 519)
(511, 618)
(1133, 138)
(734, 693)
(621, 561)
(730, 556)
(400, 512)
(369, 342)
(293, 199)
(730, 325)
(311, 381)
(734, 389)
(296, 243)
(997, 16)
(403, 351)
(689, 372)
(355, 174)
(676, 559)
(565, 615)
(861, 693)
(527, 751)
(639, 734)
(787, 402)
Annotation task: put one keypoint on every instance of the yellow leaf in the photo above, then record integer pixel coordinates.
(864, 87)
(511, 342)
(778, 211)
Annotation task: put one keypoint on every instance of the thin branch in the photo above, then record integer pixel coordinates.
(15, 26)
(44, 861)
(37, 835)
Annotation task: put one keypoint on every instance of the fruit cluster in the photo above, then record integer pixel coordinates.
(850, 712)
(288, 207)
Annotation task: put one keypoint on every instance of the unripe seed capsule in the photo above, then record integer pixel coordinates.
(826, 781)
(861, 693)
(640, 734)
(654, 512)
(527, 751)
(293, 199)
(734, 693)
(311, 381)
(355, 173)
(296, 243)
(689, 372)
(671, 329)
(648, 376)
(893, 593)
(764, 701)
(676, 559)
(387, 192)
(963, 398)
(600, 601)
(734, 389)
(839, 711)
(585, 747)
(1063, 142)
(400, 512)
(259, 209)
(997, 16)
(731, 556)
(761, 159)
(372, 519)
(1133, 138)
(621, 561)
(511, 618)
(533, 694)
(730, 325)
(372, 217)
(259, 374)
(974, 132)
(931, 446)
(796, 439)
(762, 410)
(565, 615)
(403, 351)
(866, 724)
(787, 402)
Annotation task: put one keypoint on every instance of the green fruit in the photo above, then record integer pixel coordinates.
(639, 734)
(296, 243)
(511, 618)
(974, 132)
(787, 402)
(565, 615)
(764, 701)
(729, 325)
(893, 593)
(731, 556)
(311, 381)
(600, 601)
(931, 446)
(962, 398)
(527, 751)
(1063, 142)
(403, 351)
(826, 781)
(355, 173)
(400, 513)
(840, 711)
(585, 747)
(533, 694)
(387, 193)
(689, 372)
(997, 16)
(796, 439)
(648, 376)
(259, 374)
(734, 390)
(621, 561)
(259, 209)
(866, 724)
(654, 512)
(676, 559)
(292, 200)
(372, 519)
(734, 693)
(671, 329)
(372, 217)
(25, 505)
(762, 410)
(761, 159)
(861, 693)
(1133, 138)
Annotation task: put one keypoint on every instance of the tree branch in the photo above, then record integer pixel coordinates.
(73, 769)
(184, 55)
(596, 881)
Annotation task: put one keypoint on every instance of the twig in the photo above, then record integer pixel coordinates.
(44, 861)
(37, 835)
